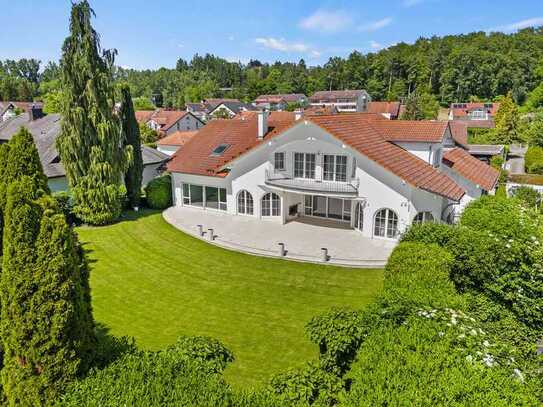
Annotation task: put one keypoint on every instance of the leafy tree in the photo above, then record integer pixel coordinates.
(131, 137)
(52, 102)
(143, 103)
(90, 140)
(420, 106)
(508, 127)
(534, 132)
(47, 339)
(147, 134)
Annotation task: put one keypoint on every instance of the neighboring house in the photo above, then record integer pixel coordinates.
(280, 102)
(389, 110)
(318, 110)
(343, 100)
(230, 109)
(473, 111)
(170, 144)
(203, 109)
(166, 122)
(9, 109)
(360, 170)
(483, 152)
(45, 131)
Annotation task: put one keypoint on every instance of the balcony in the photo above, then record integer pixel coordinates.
(286, 182)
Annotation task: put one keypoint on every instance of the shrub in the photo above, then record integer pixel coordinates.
(534, 160)
(431, 233)
(203, 350)
(338, 335)
(309, 385)
(496, 162)
(528, 196)
(159, 192)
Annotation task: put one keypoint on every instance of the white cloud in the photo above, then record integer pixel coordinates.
(280, 44)
(375, 25)
(374, 45)
(231, 38)
(235, 60)
(411, 3)
(180, 45)
(519, 25)
(328, 21)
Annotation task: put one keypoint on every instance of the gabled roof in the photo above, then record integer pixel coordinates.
(234, 107)
(285, 97)
(463, 109)
(332, 95)
(45, 131)
(427, 131)
(471, 168)
(320, 110)
(179, 138)
(143, 116)
(274, 116)
(167, 118)
(391, 108)
(360, 133)
(459, 132)
(240, 135)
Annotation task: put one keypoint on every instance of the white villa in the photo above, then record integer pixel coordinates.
(358, 170)
(349, 101)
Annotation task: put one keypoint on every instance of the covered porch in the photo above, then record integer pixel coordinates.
(303, 237)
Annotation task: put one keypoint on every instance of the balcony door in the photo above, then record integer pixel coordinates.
(304, 165)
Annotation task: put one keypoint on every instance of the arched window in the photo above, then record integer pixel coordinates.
(271, 204)
(386, 223)
(423, 217)
(245, 203)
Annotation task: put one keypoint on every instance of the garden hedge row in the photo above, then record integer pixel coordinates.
(534, 160)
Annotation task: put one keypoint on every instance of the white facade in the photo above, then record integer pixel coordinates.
(187, 123)
(355, 190)
(348, 105)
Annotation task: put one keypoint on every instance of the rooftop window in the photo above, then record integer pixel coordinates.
(220, 149)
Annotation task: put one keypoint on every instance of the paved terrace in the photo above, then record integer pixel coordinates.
(303, 238)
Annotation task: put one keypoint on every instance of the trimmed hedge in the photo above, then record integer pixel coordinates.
(159, 192)
(429, 232)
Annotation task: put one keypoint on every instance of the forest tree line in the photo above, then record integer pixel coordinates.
(454, 68)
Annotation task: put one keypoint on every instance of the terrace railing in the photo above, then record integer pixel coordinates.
(285, 181)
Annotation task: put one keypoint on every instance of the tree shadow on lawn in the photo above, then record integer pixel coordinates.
(109, 348)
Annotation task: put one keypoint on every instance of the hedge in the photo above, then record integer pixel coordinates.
(159, 192)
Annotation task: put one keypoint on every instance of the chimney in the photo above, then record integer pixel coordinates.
(298, 114)
(35, 112)
(262, 124)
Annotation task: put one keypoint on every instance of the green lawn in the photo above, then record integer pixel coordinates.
(153, 282)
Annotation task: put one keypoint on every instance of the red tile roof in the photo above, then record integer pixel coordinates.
(391, 108)
(459, 132)
(361, 134)
(241, 135)
(286, 97)
(469, 107)
(167, 118)
(471, 168)
(412, 131)
(333, 95)
(143, 116)
(179, 138)
(273, 116)
(320, 110)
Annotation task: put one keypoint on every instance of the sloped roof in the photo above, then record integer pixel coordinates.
(471, 168)
(235, 107)
(143, 116)
(463, 109)
(391, 108)
(45, 132)
(459, 132)
(273, 116)
(428, 131)
(359, 131)
(240, 135)
(167, 118)
(286, 97)
(332, 95)
(361, 134)
(179, 138)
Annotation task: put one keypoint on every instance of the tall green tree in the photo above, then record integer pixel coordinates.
(46, 322)
(131, 137)
(508, 125)
(90, 141)
(420, 106)
(20, 158)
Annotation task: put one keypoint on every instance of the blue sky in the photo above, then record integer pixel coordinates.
(150, 34)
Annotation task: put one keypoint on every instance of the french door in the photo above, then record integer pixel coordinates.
(326, 207)
(359, 217)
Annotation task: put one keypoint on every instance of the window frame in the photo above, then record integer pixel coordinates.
(245, 203)
(270, 202)
(277, 167)
(387, 225)
(307, 167)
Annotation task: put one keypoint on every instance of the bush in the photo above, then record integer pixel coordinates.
(534, 160)
(159, 192)
(528, 196)
(309, 385)
(338, 335)
(431, 233)
(205, 351)
(497, 162)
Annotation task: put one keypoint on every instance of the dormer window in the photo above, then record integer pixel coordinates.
(220, 149)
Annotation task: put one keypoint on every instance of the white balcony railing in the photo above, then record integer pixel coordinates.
(285, 181)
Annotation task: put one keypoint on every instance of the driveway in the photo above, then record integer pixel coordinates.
(515, 161)
(303, 238)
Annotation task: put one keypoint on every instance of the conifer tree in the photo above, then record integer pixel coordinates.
(20, 158)
(131, 137)
(90, 143)
(46, 323)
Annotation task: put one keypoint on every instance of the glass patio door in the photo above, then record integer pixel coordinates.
(359, 217)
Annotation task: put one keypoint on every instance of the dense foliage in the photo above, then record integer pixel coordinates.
(47, 339)
(90, 141)
(159, 192)
(131, 137)
(534, 160)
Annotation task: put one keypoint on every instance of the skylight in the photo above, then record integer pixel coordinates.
(220, 149)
